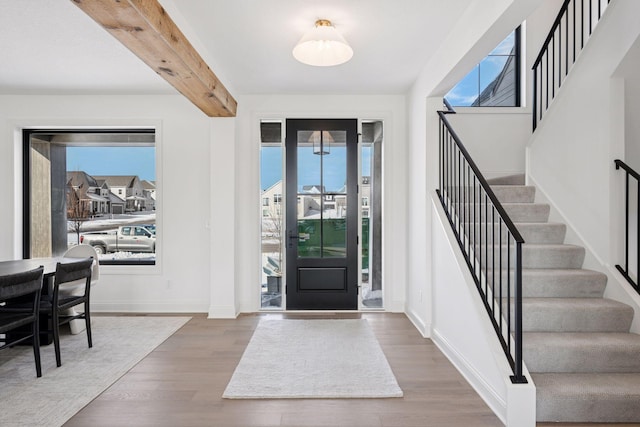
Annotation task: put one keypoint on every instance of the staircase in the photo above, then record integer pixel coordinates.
(577, 346)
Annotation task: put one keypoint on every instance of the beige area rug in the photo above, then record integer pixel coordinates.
(119, 343)
(313, 359)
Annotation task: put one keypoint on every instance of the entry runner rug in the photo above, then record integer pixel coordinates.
(119, 343)
(313, 359)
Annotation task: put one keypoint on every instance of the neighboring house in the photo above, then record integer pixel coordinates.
(128, 188)
(85, 196)
(501, 91)
(149, 190)
(272, 200)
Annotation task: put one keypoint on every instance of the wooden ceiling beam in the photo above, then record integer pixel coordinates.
(145, 28)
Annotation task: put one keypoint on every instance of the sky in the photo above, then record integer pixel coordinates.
(468, 89)
(140, 161)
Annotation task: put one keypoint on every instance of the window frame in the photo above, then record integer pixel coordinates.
(517, 41)
(27, 133)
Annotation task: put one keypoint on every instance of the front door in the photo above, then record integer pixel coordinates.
(322, 217)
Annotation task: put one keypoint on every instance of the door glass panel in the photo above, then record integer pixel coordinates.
(334, 161)
(371, 211)
(322, 190)
(309, 230)
(272, 210)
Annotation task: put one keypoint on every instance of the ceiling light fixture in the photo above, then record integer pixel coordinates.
(323, 46)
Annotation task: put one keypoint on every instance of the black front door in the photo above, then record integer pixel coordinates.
(322, 218)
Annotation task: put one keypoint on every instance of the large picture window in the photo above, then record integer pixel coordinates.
(95, 187)
(495, 81)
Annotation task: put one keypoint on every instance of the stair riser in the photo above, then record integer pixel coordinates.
(544, 233)
(538, 233)
(583, 358)
(527, 212)
(588, 409)
(537, 288)
(610, 397)
(533, 257)
(554, 257)
(576, 319)
(514, 193)
(518, 212)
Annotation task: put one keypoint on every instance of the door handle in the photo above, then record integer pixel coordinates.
(291, 237)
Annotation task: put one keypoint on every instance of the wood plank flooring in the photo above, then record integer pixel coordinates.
(181, 383)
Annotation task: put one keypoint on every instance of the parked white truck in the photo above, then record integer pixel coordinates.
(129, 238)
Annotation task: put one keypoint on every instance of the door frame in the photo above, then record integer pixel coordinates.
(319, 298)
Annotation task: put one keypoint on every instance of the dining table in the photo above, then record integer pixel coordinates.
(22, 265)
(49, 264)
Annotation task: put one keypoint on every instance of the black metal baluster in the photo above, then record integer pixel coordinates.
(574, 32)
(626, 224)
(493, 268)
(535, 97)
(599, 9)
(581, 24)
(590, 16)
(501, 305)
(500, 271)
(560, 54)
(566, 44)
(486, 244)
(509, 290)
(546, 82)
(518, 377)
(553, 66)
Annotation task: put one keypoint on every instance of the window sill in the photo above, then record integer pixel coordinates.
(492, 110)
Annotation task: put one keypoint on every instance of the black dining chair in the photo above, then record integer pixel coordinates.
(55, 305)
(25, 288)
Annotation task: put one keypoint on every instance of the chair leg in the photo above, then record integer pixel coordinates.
(36, 345)
(87, 320)
(56, 338)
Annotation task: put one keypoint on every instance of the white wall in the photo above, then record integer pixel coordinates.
(390, 109)
(463, 331)
(570, 157)
(495, 139)
(181, 279)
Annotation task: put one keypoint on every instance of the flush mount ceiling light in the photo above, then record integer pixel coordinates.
(323, 46)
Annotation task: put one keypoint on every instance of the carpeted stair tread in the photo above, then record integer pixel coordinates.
(542, 232)
(514, 193)
(575, 315)
(563, 283)
(516, 179)
(527, 212)
(552, 256)
(556, 283)
(587, 397)
(581, 352)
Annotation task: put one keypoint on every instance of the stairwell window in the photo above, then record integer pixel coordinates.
(495, 81)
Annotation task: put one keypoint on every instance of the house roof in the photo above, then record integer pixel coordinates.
(148, 185)
(81, 179)
(117, 180)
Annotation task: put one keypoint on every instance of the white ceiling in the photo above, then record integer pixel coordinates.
(51, 46)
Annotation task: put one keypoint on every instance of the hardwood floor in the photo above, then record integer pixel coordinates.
(181, 383)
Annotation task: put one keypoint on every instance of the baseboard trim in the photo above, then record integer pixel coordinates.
(420, 325)
(473, 377)
(127, 307)
(222, 312)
